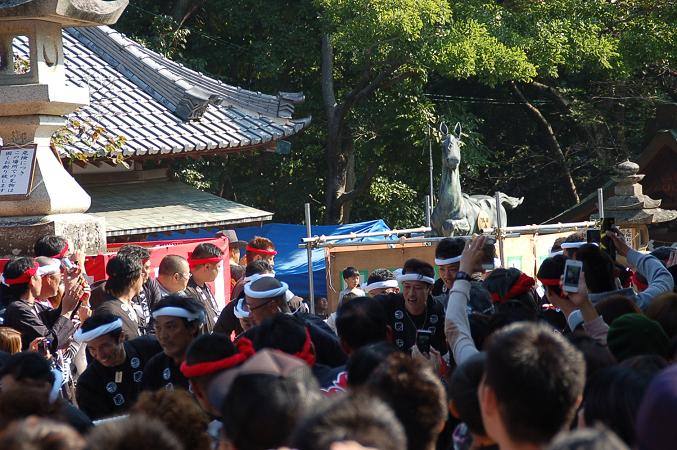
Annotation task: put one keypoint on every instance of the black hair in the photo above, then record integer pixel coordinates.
(361, 321)
(500, 281)
(283, 332)
(360, 418)
(49, 246)
(377, 275)
(418, 266)
(349, 272)
(645, 365)
(449, 248)
(206, 250)
(463, 389)
(258, 266)
(512, 311)
(171, 264)
(480, 328)
(28, 366)
(613, 397)
(552, 268)
(123, 271)
(663, 309)
(206, 348)
(135, 251)
(662, 253)
(362, 363)
(249, 426)
(615, 306)
(102, 319)
(598, 268)
(597, 356)
(537, 377)
(14, 268)
(415, 394)
(557, 245)
(579, 236)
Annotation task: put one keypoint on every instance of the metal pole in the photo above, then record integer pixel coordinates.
(428, 206)
(309, 250)
(430, 163)
(600, 203)
(497, 228)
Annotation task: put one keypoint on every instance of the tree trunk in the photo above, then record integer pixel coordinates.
(351, 181)
(551, 141)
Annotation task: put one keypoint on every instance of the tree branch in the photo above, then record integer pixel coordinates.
(328, 93)
(551, 139)
(362, 186)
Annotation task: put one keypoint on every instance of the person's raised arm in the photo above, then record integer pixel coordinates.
(457, 326)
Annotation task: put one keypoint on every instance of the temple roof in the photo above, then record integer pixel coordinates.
(161, 107)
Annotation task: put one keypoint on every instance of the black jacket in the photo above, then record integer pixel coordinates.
(39, 321)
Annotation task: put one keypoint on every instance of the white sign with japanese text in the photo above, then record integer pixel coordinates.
(16, 170)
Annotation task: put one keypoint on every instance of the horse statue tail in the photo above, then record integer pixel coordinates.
(509, 202)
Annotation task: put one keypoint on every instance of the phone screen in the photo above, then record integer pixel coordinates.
(571, 275)
(489, 250)
(423, 338)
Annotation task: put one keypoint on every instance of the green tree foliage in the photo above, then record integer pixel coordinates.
(550, 95)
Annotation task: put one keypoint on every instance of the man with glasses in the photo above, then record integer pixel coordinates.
(265, 299)
(173, 275)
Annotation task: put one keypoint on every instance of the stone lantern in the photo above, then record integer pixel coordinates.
(632, 210)
(34, 98)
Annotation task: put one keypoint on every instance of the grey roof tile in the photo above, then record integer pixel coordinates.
(136, 93)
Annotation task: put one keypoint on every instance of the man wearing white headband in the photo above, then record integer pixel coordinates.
(265, 298)
(178, 320)
(572, 243)
(447, 259)
(114, 378)
(381, 282)
(416, 309)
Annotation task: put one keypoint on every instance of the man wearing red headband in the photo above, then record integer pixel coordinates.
(22, 283)
(204, 263)
(260, 248)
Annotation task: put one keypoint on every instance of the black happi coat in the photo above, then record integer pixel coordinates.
(204, 295)
(162, 373)
(405, 325)
(126, 312)
(97, 392)
(37, 320)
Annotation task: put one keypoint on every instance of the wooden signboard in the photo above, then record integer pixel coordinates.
(17, 165)
(525, 252)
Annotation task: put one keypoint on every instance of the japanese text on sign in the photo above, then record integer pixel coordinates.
(16, 166)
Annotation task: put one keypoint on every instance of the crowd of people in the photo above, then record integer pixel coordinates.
(474, 359)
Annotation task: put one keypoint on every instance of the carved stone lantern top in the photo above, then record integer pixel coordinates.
(76, 13)
(629, 205)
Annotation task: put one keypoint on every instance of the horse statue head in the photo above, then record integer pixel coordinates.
(451, 146)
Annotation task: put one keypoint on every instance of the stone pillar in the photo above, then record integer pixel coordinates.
(34, 99)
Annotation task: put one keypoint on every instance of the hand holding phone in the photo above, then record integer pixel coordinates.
(423, 338)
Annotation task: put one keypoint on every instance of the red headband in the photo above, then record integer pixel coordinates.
(306, 353)
(261, 251)
(245, 350)
(62, 253)
(641, 285)
(198, 262)
(550, 281)
(25, 277)
(522, 285)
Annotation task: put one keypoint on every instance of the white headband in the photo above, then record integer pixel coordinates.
(288, 295)
(573, 244)
(559, 252)
(86, 336)
(381, 285)
(239, 311)
(176, 311)
(49, 269)
(249, 292)
(444, 262)
(415, 277)
(258, 276)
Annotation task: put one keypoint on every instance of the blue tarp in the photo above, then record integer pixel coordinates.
(291, 262)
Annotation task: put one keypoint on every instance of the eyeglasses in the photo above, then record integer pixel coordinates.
(185, 275)
(254, 308)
